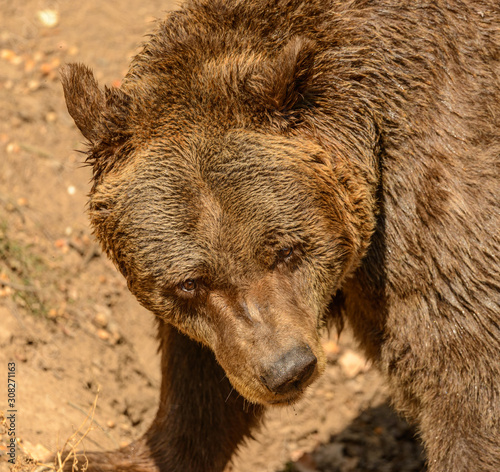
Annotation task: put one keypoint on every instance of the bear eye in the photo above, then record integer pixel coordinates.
(189, 285)
(285, 252)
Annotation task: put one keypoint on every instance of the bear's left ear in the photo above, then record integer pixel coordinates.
(285, 81)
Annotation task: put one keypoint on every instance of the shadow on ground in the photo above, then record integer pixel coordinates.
(377, 440)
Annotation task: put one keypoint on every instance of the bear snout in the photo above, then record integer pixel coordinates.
(291, 371)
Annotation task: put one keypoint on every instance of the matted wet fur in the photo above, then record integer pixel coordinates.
(267, 166)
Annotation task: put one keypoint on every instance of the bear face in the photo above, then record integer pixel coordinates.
(239, 241)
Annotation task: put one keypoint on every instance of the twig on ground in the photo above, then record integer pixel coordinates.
(73, 442)
(104, 430)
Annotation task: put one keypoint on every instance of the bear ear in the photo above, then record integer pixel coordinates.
(286, 81)
(99, 115)
(85, 101)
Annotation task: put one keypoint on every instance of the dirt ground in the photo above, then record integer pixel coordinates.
(67, 321)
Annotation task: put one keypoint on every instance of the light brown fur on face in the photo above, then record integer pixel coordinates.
(269, 167)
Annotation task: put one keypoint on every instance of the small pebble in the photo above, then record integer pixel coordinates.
(331, 349)
(33, 85)
(29, 65)
(51, 117)
(7, 55)
(352, 364)
(49, 18)
(13, 148)
(103, 334)
(100, 319)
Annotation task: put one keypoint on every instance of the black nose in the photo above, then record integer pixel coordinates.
(290, 371)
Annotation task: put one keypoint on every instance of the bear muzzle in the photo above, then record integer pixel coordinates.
(268, 346)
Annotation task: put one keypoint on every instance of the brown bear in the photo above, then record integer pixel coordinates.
(269, 166)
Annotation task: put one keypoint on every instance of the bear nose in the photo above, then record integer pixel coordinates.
(290, 371)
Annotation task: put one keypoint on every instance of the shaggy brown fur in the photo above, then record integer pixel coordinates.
(268, 165)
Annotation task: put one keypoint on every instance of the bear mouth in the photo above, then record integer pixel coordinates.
(288, 400)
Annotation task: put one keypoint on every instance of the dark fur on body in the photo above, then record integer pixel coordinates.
(365, 136)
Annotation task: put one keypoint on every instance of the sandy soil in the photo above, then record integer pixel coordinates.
(66, 318)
